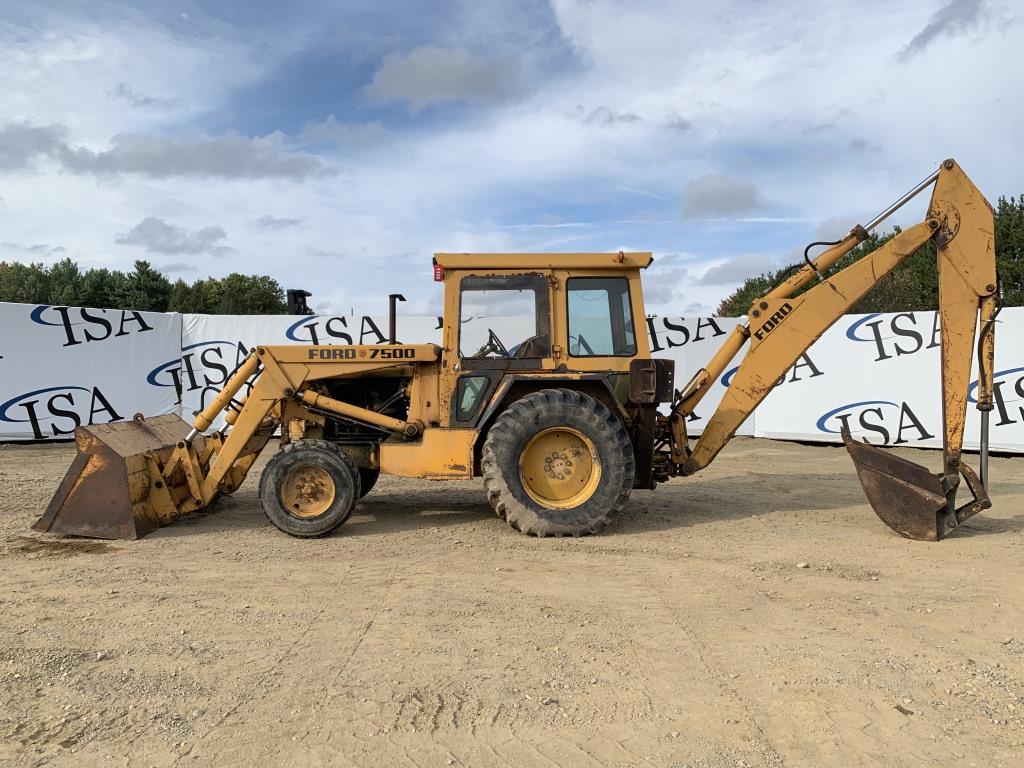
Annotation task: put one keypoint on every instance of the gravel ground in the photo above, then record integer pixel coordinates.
(757, 614)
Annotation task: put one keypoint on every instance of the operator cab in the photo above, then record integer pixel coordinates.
(534, 314)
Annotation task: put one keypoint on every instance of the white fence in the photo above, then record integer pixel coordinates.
(65, 366)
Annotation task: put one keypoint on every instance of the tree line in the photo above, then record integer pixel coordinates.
(144, 289)
(914, 284)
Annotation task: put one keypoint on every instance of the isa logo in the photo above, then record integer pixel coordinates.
(804, 361)
(311, 329)
(896, 335)
(889, 422)
(1007, 395)
(58, 411)
(672, 332)
(83, 326)
(203, 367)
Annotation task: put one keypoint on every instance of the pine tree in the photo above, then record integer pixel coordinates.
(146, 289)
(25, 283)
(65, 283)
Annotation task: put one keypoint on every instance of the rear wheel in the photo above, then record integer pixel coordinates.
(309, 488)
(557, 463)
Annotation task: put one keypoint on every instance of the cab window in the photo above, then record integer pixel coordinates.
(600, 317)
(504, 317)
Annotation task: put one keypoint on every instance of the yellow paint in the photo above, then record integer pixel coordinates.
(204, 419)
(486, 263)
(440, 453)
(307, 491)
(560, 468)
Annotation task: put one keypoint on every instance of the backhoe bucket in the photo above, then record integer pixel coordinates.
(911, 500)
(114, 488)
(906, 496)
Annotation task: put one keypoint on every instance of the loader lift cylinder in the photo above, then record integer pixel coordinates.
(349, 411)
(206, 416)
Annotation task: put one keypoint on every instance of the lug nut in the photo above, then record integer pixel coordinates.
(764, 305)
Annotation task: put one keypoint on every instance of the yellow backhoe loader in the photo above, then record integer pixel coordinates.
(557, 409)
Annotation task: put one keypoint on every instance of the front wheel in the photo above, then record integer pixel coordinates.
(309, 488)
(557, 463)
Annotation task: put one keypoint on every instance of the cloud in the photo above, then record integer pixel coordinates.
(157, 236)
(21, 144)
(833, 228)
(177, 266)
(677, 123)
(229, 157)
(431, 75)
(272, 222)
(36, 249)
(140, 100)
(607, 118)
(736, 269)
(351, 135)
(952, 19)
(714, 196)
(662, 286)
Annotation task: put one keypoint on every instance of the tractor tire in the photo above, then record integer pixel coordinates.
(309, 488)
(367, 479)
(557, 463)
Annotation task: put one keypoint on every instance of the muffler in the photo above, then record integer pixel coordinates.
(115, 487)
(908, 498)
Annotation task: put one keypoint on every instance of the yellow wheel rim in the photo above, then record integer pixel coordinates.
(307, 491)
(559, 468)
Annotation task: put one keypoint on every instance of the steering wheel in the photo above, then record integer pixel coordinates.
(493, 345)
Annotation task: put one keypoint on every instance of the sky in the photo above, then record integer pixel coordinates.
(336, 145)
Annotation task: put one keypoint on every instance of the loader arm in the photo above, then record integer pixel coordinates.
(783, 325)
(130, 478)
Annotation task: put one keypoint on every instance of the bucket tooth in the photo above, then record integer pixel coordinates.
(905, 496)
(107, 492)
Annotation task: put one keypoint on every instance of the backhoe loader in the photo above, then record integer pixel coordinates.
(557, 409)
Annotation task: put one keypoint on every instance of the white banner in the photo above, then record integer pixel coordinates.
(880, 374)
(61, 367)
(691, 342)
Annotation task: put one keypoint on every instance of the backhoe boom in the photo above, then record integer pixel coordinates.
(784, 324)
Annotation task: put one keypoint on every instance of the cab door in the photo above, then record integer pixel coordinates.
(504, 325)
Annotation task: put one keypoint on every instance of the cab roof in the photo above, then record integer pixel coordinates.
(620, 260)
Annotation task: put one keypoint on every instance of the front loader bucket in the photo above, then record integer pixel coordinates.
(114, 489)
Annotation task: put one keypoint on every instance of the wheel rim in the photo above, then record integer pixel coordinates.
(307, 491)
(559, 468)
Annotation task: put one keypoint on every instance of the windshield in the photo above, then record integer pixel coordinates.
(504, 317)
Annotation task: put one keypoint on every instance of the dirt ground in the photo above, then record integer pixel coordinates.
(427, 633)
